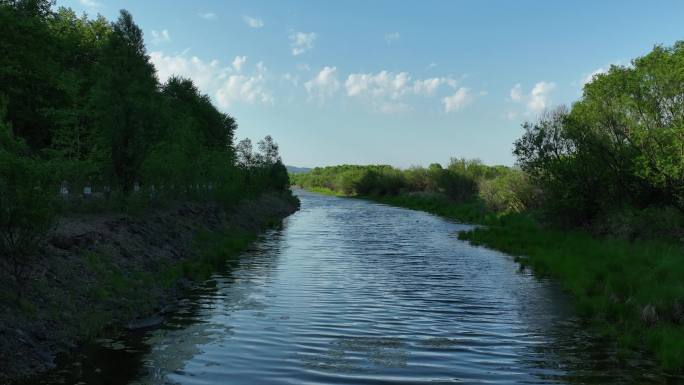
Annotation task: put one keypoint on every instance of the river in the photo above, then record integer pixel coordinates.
(353, 292)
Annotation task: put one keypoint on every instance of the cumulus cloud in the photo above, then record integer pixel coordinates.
(208, 15)
(253, 22)
(539, 98)
(428, 87)
(391, 37)
(301, 42)
(160, 37)
(462, 97)
(324, 85)
(536, 101)
(382, 84)
(246, 89)
(222, 83)
(203, 73)
(238, 62)
(387, 91)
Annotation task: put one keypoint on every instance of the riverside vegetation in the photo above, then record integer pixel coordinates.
(596, 200)
(81, 110)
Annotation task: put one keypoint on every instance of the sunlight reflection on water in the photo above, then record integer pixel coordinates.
(353, 292)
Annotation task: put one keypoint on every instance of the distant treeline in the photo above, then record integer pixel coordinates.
(80, 104)
(500, 188)
(613, 161)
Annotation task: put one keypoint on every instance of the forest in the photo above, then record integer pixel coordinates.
(86, 125)
(595, 199)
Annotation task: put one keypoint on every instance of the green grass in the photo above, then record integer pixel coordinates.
(122, 295)
(472, 212)
(615, 282)
(325, 191)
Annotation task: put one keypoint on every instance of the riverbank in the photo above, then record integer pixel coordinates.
(631, 291)
(121, 271)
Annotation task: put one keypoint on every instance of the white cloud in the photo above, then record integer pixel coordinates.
(382, 84)
(428, 87)
(238, 62)
(221, 82)
(203, 73)
(246, 89)
(391, 37)
(253, 22)
(516, 93)
(431, 65)
(590, 76)
(462, 97)
(160, 37)
(393, 86)
(537, 100)
(324, 85)
(301, 42)
(386, 91)
(90, 3)
(208, 15)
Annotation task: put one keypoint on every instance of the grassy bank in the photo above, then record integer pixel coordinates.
(109, 271)
(632, 291)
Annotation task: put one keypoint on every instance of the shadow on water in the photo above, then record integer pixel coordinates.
(148, 356)
(353, 292)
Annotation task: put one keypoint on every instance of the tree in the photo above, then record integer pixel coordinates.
(28, 68)
(244, 153)
(27, 207)
(126, 102)
(619, 146)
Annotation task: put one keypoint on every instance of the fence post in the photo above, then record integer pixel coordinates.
(64, 190)
(87, 191)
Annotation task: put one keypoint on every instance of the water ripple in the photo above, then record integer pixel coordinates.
(352, 292)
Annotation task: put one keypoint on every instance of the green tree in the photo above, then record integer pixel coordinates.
(27, 207)
(126, 103)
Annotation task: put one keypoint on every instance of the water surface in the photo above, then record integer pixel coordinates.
(354, 292)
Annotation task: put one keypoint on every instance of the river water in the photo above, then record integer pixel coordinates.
(354, 292)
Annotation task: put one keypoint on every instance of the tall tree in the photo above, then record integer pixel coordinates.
(126, 102)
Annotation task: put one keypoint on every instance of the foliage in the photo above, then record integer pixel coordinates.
(26, 207)
(510, 192)
(629, 291)
(619, 146)
(499, 188)
(80, 102)
(84, 96)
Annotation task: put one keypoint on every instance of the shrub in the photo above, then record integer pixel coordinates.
(27, 208)
(511, 192)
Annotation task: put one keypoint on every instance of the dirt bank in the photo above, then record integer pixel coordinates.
(116, 270)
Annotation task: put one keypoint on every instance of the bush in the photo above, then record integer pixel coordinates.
(27, 208)
(651, 222)
(511, 192)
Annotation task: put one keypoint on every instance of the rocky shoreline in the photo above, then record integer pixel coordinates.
(115, 271)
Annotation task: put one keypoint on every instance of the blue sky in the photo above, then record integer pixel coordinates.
(392, 82)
